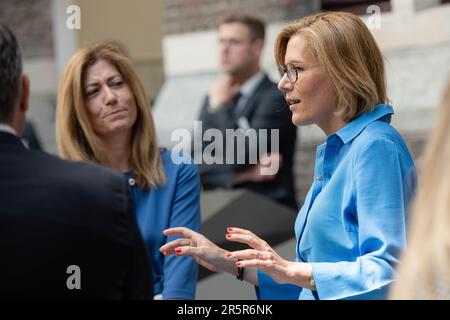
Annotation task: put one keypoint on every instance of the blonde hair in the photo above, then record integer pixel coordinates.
(425, 265)
(75, 136)
(349, 54)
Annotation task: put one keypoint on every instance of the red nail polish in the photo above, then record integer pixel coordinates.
(230, 229)
(238, 264)
(229, 254)
(228, 236)
(177, 250)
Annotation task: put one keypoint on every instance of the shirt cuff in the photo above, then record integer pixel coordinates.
(337, 281)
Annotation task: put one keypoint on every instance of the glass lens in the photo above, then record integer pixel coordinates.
(292, 73)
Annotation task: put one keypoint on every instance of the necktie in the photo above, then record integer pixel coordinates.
(238, 104)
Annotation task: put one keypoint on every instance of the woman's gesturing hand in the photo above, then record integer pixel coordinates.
(200, 248)
(263, 257)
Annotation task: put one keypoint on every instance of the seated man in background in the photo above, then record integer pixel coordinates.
(67, 230)
(245, 98)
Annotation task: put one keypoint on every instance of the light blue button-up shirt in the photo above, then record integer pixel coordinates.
(351, 227)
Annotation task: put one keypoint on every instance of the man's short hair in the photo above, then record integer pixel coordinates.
(255, 25)
(10, 72)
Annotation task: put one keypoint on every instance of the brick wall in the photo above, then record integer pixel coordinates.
(31, 21)
(182, 16)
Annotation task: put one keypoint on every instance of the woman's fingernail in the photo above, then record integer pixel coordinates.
(230, 229)
(178, 250)
(229, 236)
(229, 254)
(238, 264)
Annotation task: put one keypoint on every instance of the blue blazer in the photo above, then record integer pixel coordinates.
(176, 204)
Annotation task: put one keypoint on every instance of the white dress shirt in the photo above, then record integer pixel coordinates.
(8, 129)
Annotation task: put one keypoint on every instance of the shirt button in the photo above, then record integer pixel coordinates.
(131, 182)
(320, 178)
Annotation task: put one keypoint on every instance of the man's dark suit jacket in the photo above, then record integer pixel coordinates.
(265, 109)
(55, 214)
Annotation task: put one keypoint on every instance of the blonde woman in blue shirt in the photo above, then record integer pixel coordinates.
(351, 227)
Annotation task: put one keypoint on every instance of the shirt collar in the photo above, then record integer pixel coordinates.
(356, 126)
(250, 85)
(7, 129)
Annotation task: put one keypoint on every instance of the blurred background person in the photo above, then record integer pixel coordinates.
(351, 227)
(103, 116)
(245, 98)
(66, 230)
(424, 271)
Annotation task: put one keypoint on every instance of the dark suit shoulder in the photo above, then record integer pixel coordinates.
(85, 192)
(268, 89)
(77, 175)
(62, 213)
(268, 85)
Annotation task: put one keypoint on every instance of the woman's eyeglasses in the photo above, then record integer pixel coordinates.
(291, 71)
